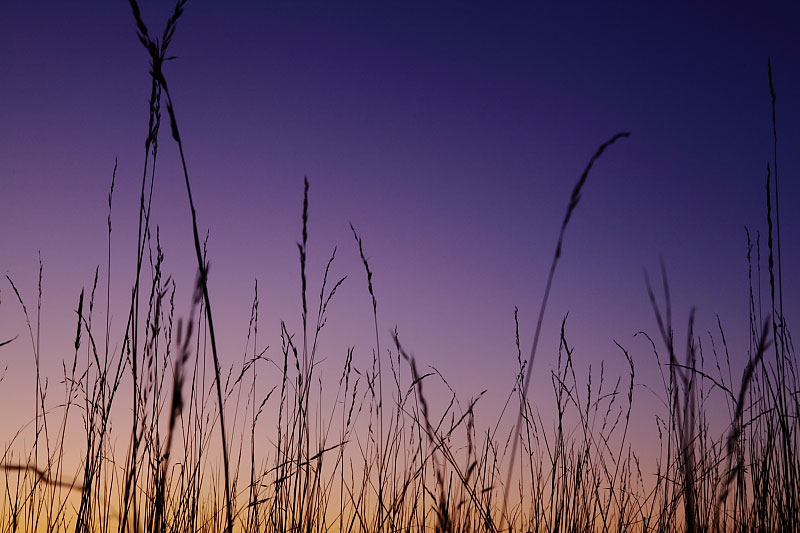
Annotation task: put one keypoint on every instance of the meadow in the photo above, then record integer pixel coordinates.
(276, 443)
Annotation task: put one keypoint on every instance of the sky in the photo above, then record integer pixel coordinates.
(449, 135)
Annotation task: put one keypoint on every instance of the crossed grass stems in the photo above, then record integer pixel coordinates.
(381, 460)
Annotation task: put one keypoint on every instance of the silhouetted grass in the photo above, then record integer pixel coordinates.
(348, 454)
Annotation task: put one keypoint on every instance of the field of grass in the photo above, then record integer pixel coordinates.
(366, 450)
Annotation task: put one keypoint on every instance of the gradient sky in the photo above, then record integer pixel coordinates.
(449, 135)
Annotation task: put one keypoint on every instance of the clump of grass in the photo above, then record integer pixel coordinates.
(350, 455)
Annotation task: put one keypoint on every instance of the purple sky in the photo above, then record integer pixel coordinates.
(449, 136)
